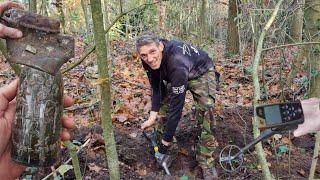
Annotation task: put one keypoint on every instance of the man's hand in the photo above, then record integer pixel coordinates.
(8, 168)
(311, 117)
(7, 31)
(150, 121)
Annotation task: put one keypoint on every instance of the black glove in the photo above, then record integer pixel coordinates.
(162, 152)
(163, 149)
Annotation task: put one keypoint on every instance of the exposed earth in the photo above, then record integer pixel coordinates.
(288, 157)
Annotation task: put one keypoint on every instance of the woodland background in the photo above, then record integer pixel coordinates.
(265, 50)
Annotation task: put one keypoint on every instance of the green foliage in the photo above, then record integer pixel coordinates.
(282, 149)
(64, 168)
(184, 177)
(249, 69)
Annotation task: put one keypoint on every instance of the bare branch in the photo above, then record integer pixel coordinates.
(91, 49)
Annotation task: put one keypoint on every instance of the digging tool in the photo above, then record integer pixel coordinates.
(40, 53)
(162, 159)
(275, 119)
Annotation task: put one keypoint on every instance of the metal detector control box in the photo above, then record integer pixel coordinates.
(280, 115)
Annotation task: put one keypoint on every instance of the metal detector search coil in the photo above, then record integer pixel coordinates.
(275, 119)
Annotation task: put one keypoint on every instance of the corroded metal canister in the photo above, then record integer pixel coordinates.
(40, 53)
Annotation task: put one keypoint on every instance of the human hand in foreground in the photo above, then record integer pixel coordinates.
(151, 121)
(8, 168)
(8, 31)
(311, 113)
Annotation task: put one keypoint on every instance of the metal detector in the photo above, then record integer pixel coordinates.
(274, 119)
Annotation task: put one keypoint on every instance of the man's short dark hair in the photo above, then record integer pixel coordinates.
(146, 38)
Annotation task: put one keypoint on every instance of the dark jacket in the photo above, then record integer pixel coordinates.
(181, 62)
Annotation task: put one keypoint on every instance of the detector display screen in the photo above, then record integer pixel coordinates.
(273, 115)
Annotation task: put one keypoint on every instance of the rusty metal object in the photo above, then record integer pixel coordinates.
(41, 52)
(21, 18)
(36, 129)
(41, 46)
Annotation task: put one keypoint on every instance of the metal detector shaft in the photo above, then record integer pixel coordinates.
(265, 134)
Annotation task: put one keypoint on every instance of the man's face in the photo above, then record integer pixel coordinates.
(152, 54)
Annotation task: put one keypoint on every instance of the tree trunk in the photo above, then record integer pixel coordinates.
(61, 15)
(86, 15)
(44, 8)
(297, 21)
(312, 17)
(33, 6)
(256, 98)
(233, 35)
(162, 17)
(105, 114)
(203, 20)
(296, 33)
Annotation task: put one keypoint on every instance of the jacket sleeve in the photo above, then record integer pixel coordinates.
(176, 101)
(155, 86)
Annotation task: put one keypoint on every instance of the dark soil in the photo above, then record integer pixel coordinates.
(137, 161)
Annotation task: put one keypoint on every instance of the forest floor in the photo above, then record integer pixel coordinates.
(288, 157)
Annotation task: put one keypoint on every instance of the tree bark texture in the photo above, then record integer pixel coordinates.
(61, 15)
(256, 62)
(105, 114)
(297, 21)
(312, 17)
(33, 6)
(84, 5)
(233, 35)
(162, 16)
(203, 20)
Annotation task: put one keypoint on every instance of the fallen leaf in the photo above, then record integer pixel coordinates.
(134, 135)
(285, 140)
(122, 118)
(142, 171)
(302, 172)
(184, 151)
(277, 136)
(94, 167)
(64, 168)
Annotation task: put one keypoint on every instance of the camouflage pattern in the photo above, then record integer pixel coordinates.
(203, 90)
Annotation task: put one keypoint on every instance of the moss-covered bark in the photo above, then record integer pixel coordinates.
(101, 46)
(33, 6)
(312, 27)
(233, 35)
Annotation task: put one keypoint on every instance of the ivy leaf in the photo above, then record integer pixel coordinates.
(64, 168)
(282, 149)
(184, 177)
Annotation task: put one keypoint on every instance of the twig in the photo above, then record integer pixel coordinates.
(91, 49)
(315, 156)
(245, 128)
(88, 105)
(81, 147)
(137, 84)
(75, 160)
(288, 45)
(257, 94)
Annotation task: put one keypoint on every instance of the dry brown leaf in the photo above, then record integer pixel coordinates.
(301, 172)
(184, 151)
(285, 140)
(94, 167)
(122, 117)
(142, 171)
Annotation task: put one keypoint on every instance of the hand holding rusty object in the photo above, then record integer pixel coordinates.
(9, 168)
(41, 52)
(8, 31)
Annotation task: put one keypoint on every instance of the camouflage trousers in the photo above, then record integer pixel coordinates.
(203, 90)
